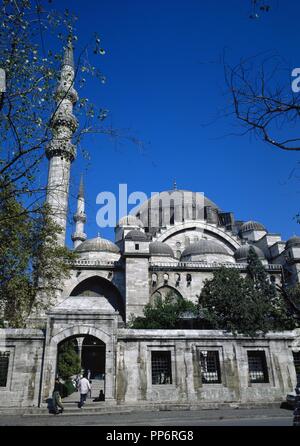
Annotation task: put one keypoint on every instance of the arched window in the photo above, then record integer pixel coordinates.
(99, 287)
(172, 212)
(160, 214)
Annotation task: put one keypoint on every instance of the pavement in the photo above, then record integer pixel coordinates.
(213, 417)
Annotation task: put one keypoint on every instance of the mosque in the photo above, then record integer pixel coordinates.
(175, 241)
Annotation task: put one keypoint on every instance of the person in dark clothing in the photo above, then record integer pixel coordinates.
(56, 396)
(296, 421)
(101, 397)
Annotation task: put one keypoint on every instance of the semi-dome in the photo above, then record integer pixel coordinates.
(136, 236)
(203, 247)
(97, 244)
(130, 220)
(241, 254)
(252, 226)
(160, 249)
(173, 206)
(293, 241)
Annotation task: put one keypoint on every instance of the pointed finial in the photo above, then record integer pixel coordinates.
(81, 188)
(175, 185)
(99, 236)
(68, 54)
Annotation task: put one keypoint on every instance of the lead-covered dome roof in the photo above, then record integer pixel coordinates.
(293, 241)
(130, 220)
(252, 226)
(202, 247)
(161, 206)
(160, 249)
(243, 252)
(97, 244)
(136, 236)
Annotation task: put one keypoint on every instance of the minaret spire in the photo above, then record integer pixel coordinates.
(80, 217)
(61, 152)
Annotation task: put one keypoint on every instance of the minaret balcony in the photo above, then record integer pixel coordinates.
(59, 147)
(79, 216)
(69, 94)
(81, 236)
(64, 120)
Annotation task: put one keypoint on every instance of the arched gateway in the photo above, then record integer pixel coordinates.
(95, 346)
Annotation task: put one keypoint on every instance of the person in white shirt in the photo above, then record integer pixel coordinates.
(83, 387)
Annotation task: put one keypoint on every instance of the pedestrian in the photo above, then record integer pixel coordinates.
(90, 391)
(296, 420)
(83, 387)
(56, 397)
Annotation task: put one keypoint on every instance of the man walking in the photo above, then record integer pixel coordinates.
(56, 397)
(83, 387)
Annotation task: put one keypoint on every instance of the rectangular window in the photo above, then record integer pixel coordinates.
(258, 371)
(4, 361)
(210, 367)
(296, 356)
(161, 367)
(137, 246)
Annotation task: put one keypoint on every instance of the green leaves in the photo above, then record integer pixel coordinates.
(68, 360)
(246, 305)
(164, 313)
(31, 261)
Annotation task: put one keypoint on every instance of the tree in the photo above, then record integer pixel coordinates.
(68, 362)
(266, 107)
(30, 33)
(164, 313)
(245, 305)
(225, 302)
(32, 263)
(276, 312)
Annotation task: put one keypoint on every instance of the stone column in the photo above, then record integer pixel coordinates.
(80, 343)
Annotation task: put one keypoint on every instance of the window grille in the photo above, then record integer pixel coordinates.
(161, 367)
(210, 367)
(258, 371)
(4, 361)
(296, 356)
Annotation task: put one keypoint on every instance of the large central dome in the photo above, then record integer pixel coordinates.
(174, 206)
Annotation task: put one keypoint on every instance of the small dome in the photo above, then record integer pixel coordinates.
(160, 249)
(98, 244)
(204, 247)
(252, 226)
(130, 220)
(136, 236)
(293, 241)
(242, 253)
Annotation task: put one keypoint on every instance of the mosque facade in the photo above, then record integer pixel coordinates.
(172, 244)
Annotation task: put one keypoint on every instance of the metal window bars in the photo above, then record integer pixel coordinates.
(210, 367)
(258, 371)
(161, 367)
(4, 362)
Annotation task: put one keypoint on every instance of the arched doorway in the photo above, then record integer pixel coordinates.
(81, 355)
(93, 357)
(79, 331)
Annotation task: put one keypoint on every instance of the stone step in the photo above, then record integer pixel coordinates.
(106, 407)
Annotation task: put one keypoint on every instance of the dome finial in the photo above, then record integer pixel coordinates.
(175, 185)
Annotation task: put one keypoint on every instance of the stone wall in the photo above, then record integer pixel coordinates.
(25, 349)
(134, 379)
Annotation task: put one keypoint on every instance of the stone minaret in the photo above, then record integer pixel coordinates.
(61, 152)
(80, 218)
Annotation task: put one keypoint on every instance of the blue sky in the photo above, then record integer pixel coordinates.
(165, 84)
